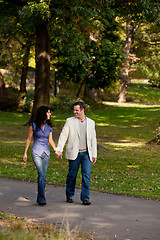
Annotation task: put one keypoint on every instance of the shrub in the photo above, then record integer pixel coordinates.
(10, 100)
(155, 82)
(26, 103)
(64, 104)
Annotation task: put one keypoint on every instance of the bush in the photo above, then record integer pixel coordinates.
(155, 82)
(26, 103)
(10, 100)
(64, 104)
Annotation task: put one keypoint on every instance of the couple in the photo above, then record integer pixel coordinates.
(79, 132)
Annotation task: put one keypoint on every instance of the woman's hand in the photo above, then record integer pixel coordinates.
(25, 157)
(28, 141)
(58, 154)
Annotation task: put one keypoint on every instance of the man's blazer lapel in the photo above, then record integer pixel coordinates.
(87, 127)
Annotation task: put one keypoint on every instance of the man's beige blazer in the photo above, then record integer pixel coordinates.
(71, 134)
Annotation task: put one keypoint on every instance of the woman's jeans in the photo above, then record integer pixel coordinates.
(83, 159)
(41, 163)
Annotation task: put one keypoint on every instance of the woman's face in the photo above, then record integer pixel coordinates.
(48, 115)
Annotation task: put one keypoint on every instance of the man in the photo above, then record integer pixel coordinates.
(80, 134)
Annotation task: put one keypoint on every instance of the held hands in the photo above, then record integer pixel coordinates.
(58, 154)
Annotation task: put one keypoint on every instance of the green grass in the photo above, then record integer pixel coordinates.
(141, 92)
(125, 164)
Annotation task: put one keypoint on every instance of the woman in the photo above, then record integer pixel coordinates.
(41, 130)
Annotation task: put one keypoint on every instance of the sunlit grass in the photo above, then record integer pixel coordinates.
(131, 169)
(144, 93)
(124, 144)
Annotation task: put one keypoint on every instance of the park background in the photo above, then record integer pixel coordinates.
(102, 52)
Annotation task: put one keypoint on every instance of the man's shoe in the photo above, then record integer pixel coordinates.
(86, 202)
(69, 200)
(42, 203)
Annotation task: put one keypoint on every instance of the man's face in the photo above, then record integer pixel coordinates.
(78, 112)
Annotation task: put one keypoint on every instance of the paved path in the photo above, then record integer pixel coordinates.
(110, 217)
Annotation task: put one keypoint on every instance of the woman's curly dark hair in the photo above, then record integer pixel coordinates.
(41, 117)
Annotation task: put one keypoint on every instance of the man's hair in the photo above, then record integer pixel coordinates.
(81, 104)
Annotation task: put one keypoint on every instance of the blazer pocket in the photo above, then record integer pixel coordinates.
(69, 148)
(69, 151)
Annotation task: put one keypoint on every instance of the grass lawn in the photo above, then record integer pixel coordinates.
(125, 164)
(141, 92)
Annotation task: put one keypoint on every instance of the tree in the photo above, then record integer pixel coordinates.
(33, 16)
(133, 13)
(124, 73)
(16, 41)
(90, 54)
(25, 65)
(42, 73)
(146, 46)
(39, 16)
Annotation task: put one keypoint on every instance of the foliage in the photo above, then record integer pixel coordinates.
(85, 43)
(146, 47)
(26, 103)
(63, 104)
(155, 82)
(14, 37)
(140, 10)
(36, 9)
(133, 14)
(88, 51)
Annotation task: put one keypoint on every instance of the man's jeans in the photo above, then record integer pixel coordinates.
(41, 163)
(83, 159)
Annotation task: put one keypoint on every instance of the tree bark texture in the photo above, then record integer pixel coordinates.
(42, 72)
(2, 85)
(124, 74)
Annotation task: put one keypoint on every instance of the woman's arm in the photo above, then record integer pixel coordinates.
(28, 141)
(51, 142)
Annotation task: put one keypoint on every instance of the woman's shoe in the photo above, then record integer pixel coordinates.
(86, 202)
(69, 200)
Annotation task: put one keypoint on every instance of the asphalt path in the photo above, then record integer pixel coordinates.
(110, 217)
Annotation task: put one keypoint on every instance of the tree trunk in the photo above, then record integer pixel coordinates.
(25, 66)
(79, 90)
(42, 72)
(86, 92)
(124, 74)
(2, 85)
